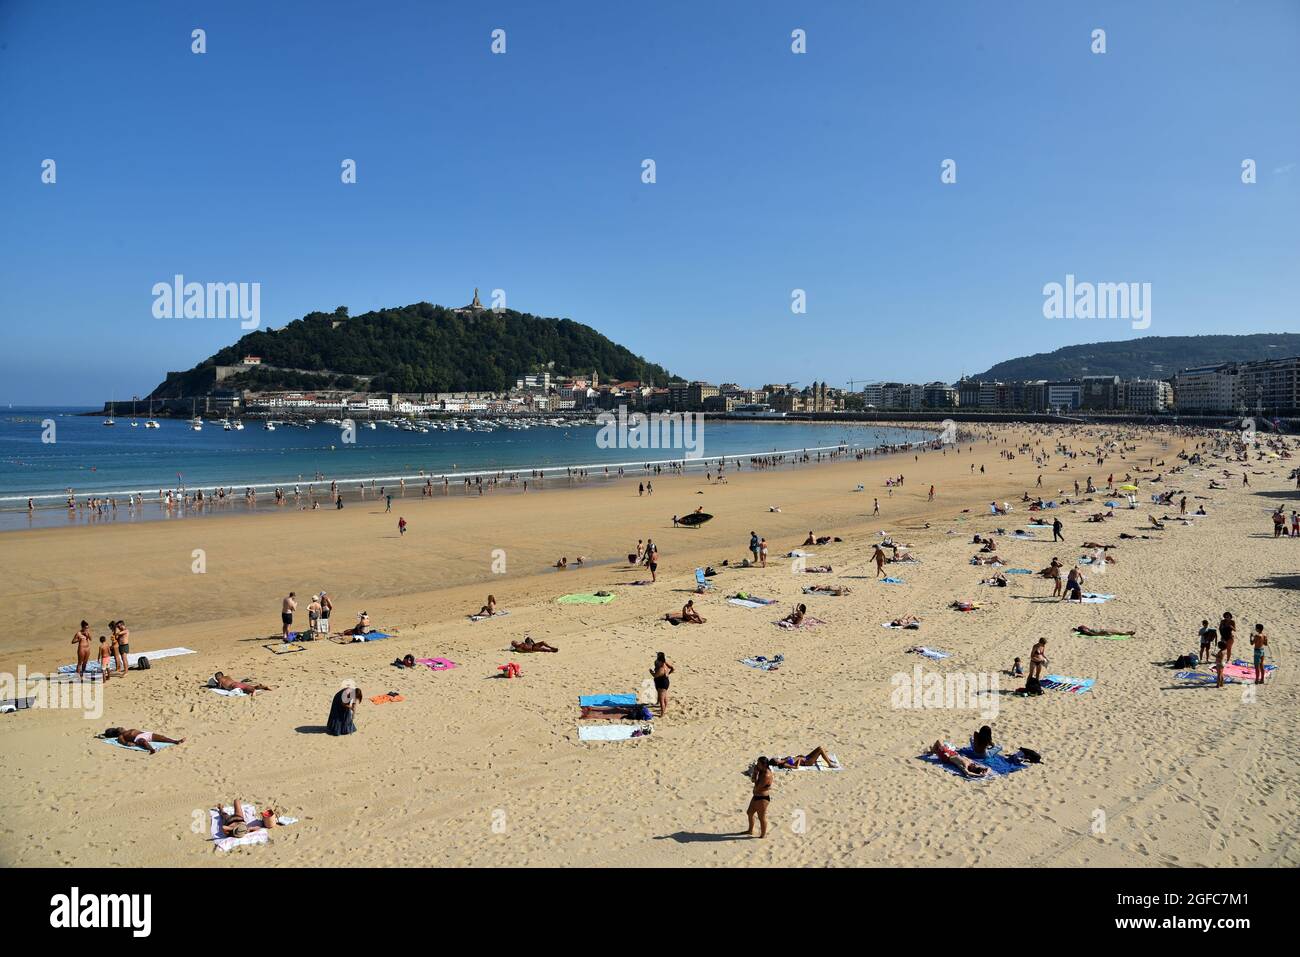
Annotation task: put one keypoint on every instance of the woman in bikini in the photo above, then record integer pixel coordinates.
(949, 755)
(134, 737)
(796, 617)
(490, 608)
(761, 775)
(661, 670)
(234, 825)
(808, 760)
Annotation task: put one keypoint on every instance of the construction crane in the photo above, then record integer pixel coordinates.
(853, 382)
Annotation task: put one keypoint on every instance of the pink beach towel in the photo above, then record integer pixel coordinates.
(436, 664)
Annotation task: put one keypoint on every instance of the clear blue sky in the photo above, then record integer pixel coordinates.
(776, 171)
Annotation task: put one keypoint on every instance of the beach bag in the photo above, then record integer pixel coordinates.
(1030, 755)
(142, 664)
(1033, 686)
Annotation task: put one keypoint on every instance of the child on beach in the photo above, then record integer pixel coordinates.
(105, 659)
(1017, 670)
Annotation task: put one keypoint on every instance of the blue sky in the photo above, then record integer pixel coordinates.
(522, 172)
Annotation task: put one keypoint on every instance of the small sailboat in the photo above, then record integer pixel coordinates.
(134, 423)
(151, 422)
(239, 425)
(196, 423)
(269, 426)
(109, 420)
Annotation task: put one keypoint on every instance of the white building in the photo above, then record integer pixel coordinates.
(1208, 389)
(1146, 395)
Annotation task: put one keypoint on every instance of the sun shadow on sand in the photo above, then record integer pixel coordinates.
(695, 837)
(311, 729)
(1272, 581)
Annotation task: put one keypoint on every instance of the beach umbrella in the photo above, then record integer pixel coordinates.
(1128, 488)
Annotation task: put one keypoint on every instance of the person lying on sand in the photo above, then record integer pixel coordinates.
(906, 621)
(1096, 545)
(528, 645)
(998, 580)
(948, 754)
(808, 760)
(818, 570)
(230, 684)
(235, 826)
(828, 589)
(1102, 632)
(140, 739)
(986, 560)
(406, 661)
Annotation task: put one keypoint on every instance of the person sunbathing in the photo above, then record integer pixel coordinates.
(1102, 632)
(134, 737)
(828, 589)
(906, 621)
(489, 609)
(986, 560)
(528, 645)
(230, 684)
(810, 540)
(818, 570)
(234, 825)
(949, 755)
(361, 628)
(998, 580)
(808, 760)
(1155, 523)
(689, 614)
(797, 616)
(1095, 545)
(981, 741)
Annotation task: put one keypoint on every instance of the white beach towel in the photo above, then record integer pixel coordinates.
(132, 659)
(745, 603)
(229, 692)
(222, 843)
(809, 767)
(488, 617)
(610, 732)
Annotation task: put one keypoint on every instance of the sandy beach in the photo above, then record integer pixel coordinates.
(475, 770)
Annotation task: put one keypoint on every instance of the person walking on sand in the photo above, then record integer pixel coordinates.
(931, 493)
(1259, 641)
(762, 552)
(661, 670)
(652, 560)
(761, 799)
(875, 506)
(1037, 659)
(878, 556)
(401, 526)
(1056, 530)
(287, 608)
(388, 503)
(82, 640)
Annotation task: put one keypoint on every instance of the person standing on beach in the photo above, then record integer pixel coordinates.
(287, 608)
(762, 552)
(640, 489)
(875, 506)
(1037, 659)
(761, 799)
(388, 503)
(401, 526)
(1259, 641)
(122, 634)
(753, 545)
(326, 606)
(652, 559)
(878, 556)
(1227, 635)
(1207, 635)
(82, 640)
(1056, 530)
(931, 493)
(661, 670)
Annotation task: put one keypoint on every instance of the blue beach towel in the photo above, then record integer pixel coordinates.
(998, 765)
(1065, 683)
(158, 745)
(891, 581)
(605, 700)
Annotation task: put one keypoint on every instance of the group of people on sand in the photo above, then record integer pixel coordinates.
(1220, 641)
(112, 652)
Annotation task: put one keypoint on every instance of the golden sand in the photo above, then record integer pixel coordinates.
(472, 769)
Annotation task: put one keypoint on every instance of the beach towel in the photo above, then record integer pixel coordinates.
(934, 654)
(158, 745)
(1017, 571)
(808, 622)
(437, 664)
(260, 836)
(891, 581)
(281, 648)
(605, 700)
(612, 732)
(386, 698)
(998, 765)
(1198, 677)
(747, 602)
(914, 626)
(1022, 535)
(1078, 634)
(1067, 684)
(1243, 671)
(488, 617)
(813, 590)
(230, 692)
(372, 636)
(16, 704)
(1090, 598)
(762, 663)
(585, 599)
(131, 660)
(799, 553)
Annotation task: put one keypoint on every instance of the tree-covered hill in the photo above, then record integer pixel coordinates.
(1151, 357)
(416, 348)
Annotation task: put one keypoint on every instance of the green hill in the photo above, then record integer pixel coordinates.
(1151, 357)
(416, 348)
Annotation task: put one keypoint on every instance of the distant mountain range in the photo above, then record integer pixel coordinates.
(416, 348)
(1151, 357)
